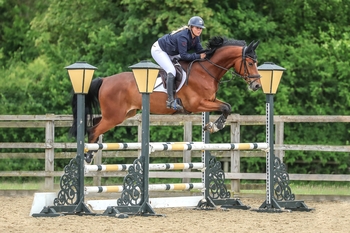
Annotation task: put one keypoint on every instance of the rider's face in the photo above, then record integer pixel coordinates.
(197, 31)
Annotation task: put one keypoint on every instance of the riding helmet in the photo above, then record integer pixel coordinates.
(196, 21)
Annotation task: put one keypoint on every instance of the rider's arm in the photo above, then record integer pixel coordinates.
(198, 45)
(182, 44)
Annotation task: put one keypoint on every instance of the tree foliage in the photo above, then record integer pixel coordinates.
(311, 39)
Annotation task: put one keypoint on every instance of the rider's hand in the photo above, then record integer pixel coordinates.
(203, 55)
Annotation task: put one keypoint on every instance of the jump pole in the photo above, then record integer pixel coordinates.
(152, 166)
(159, 146)
(152, 187)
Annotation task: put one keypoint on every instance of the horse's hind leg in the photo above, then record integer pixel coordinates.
(93, 133)
(89, 155)
(96, 120)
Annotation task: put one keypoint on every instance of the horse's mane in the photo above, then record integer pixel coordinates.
(218, 41)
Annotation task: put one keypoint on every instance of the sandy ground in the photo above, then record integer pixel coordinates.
(327, 216)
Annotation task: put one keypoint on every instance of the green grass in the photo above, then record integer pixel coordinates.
(311, 189)
(20, 186)
(321, 189)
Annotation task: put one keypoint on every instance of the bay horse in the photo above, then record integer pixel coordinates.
(118, 98)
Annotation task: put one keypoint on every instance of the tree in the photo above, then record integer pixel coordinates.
(309, 38)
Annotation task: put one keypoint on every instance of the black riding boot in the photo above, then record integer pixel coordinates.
(171, 103)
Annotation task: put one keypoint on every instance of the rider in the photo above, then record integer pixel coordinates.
(177, 44)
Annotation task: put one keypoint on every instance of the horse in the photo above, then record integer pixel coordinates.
(117, 96)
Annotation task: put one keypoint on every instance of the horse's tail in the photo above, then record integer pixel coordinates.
(91, 106)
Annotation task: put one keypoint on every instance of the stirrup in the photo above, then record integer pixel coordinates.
(174, 105)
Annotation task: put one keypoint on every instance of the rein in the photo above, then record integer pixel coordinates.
(219, 81)
(233, 72)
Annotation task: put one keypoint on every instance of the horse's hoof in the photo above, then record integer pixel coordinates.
(211, 127)
(208, 127)
(88, 159)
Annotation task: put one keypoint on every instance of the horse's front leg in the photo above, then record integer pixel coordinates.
(221, 121)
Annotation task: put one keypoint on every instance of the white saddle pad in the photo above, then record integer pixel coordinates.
(160, 88)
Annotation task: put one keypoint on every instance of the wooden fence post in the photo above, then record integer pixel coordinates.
(235, 156)
(49, 152)
(279, 140)
(187, 153)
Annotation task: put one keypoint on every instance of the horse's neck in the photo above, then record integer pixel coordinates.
(227, 56)
(224, 59)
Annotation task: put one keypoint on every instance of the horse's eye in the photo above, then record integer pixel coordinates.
(250, 63)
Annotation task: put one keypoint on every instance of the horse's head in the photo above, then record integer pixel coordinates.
(248, 68)
(244, 61)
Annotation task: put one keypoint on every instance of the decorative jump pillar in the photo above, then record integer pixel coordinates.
(70, 200)
(277, 178)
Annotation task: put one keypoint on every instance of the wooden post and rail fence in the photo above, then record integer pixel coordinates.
(230, 159)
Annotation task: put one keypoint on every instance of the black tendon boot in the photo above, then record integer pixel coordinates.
(171, 103)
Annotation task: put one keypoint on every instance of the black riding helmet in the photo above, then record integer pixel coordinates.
(196, 21)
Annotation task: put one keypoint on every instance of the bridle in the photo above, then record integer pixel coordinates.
(246, 76)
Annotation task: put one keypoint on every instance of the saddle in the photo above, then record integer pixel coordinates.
(178, 77)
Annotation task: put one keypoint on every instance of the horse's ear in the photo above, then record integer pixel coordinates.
(250, 47)
(255, 45)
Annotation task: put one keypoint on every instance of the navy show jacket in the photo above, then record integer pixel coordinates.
(180, 43)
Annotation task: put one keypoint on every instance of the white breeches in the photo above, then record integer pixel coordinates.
(163, 59)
